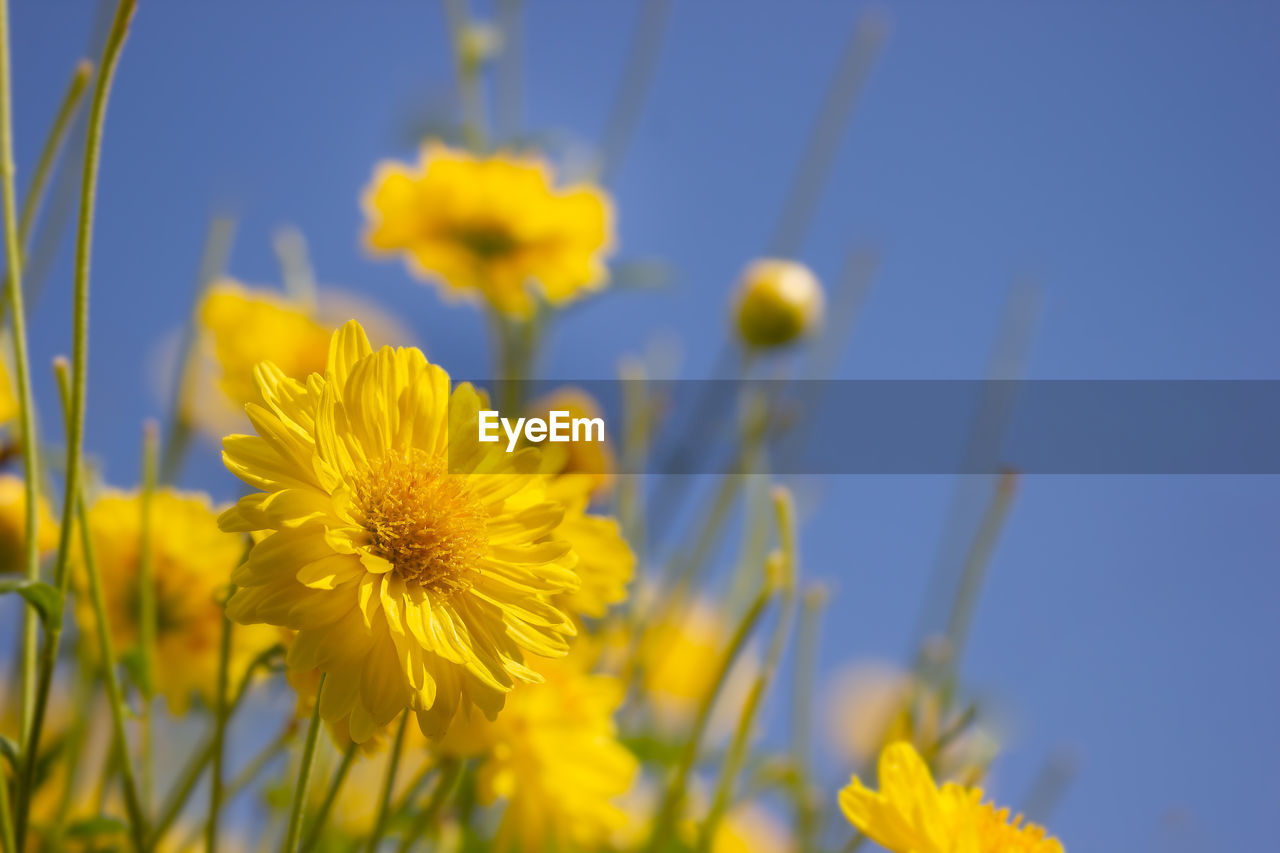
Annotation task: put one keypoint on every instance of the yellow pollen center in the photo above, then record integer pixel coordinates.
(423, 520)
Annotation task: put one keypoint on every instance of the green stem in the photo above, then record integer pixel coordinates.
(388, 785)
(217, 245)
(673, 800)
(335, 786)
(219, 733)
(147, 607)
(200, 759)
(30, 461)
(79, 354)
(304, 775)
(781, 569)
(6, 818)
(802, 701)
(53, 143)
(470, 97)
(450, 773)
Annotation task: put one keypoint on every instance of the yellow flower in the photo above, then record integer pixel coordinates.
(553, 756)
(679, 658)
(9, 407)
(13, 525)
(416, 565)
(910, 814)
(751, 829)
(778, 301)
(605, 560)
(592, 459)
(240, 326)
(192, 563)
(247, 326)
(491, 226)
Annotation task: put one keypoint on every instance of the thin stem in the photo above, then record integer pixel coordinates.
(781, 569)
(27, 432)
(106, 645)
(219, 732)
(147, 605)
(304, 775)
(388, 785)
(450, 773)
(201, 757)
(335, 786)
(673, 800)
(824, 140)
(75, 406)
(53, 142)
(509, 95)
(637, 79)
(217, 246)
(467, 63)
(975, 569)
(6, 819)
(802, 701)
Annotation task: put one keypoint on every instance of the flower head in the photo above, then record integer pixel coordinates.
(554, 757)
(13, 524)
(418, 567)
(778, 301)
(491, 226)
(240, 326)
(910, 814)
(192, 560)
(594, 460)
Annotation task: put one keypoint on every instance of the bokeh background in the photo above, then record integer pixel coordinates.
(1122, 155)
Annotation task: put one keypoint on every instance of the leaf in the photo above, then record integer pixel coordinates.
(93, 827)
(46, 599)
(9, 747)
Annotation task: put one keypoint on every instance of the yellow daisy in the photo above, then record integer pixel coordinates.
(593, 459)
(417, 566)
(13, 525)
(491, 226)
(910, 814)
(192, 564)
(553, 757)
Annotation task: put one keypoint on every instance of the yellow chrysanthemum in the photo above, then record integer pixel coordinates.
(192, 564)
(553, 757)
(13, 525)
(491, 226)
(240, 326)
(417, 565)
(910, 814)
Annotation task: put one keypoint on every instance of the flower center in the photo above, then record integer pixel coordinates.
(486, 242)
(423, 520)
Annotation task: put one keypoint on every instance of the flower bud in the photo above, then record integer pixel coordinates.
(778, 301)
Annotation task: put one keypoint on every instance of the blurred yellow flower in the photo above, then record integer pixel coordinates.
(246, 326)
(777, 302)
(870, 706)
(411, 584)
(491, 226)
(9, 407)
(910, 814)
(592, 459)
(751, 829)
(553, 756)
(680, 653)
(192, 564)
(13, 525)
(240, 326)
(605, 560)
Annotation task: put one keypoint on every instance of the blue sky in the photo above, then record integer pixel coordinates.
(1122, 155)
